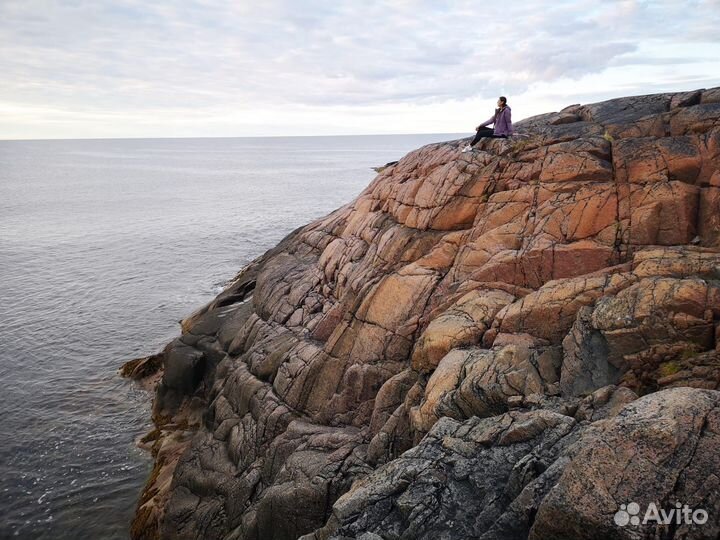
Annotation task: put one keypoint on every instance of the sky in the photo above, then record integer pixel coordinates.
(211, 68)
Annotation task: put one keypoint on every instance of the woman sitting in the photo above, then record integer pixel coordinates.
(502, 124)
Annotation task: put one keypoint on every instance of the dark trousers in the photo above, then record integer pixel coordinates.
(485, 132)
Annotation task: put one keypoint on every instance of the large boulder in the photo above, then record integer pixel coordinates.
(455, 342)
(544, 475)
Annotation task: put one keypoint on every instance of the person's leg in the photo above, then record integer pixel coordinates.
(482, 132)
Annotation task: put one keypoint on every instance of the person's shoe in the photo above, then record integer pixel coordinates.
(468, 148)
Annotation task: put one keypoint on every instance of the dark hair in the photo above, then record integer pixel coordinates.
(503, 99)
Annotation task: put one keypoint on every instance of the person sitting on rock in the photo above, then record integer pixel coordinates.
(502, 124)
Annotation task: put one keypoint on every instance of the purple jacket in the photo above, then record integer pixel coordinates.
(502, 122)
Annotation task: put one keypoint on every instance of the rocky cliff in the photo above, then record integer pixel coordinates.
(504, 344)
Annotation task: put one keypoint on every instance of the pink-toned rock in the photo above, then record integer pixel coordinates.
(581, 160)
(549, 312)
(663, 213)
(657, 159)
(478, 382)
(659, 450)
(657, 310)
(463, 323)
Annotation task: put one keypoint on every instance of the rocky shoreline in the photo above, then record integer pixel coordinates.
(505, 344)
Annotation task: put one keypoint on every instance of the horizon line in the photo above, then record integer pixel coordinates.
(232, 137)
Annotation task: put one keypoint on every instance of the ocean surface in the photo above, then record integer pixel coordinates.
(104, 246)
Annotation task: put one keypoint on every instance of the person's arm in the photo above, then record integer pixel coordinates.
(487, 122)
(509, 121)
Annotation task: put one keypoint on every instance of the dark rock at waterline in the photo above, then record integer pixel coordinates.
(383, 167)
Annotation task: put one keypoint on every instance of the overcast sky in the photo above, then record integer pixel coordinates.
(127, 68)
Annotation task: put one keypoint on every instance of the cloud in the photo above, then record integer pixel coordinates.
(101, 56)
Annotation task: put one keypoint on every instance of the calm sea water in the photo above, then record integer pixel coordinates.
(104, 246)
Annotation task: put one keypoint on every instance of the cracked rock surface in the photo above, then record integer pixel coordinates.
(508, 343)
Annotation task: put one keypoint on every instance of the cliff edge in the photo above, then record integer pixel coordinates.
(504, 344)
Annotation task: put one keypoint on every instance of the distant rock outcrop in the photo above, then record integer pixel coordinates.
(504, 344)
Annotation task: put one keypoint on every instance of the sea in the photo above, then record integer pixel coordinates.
(105, 245)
